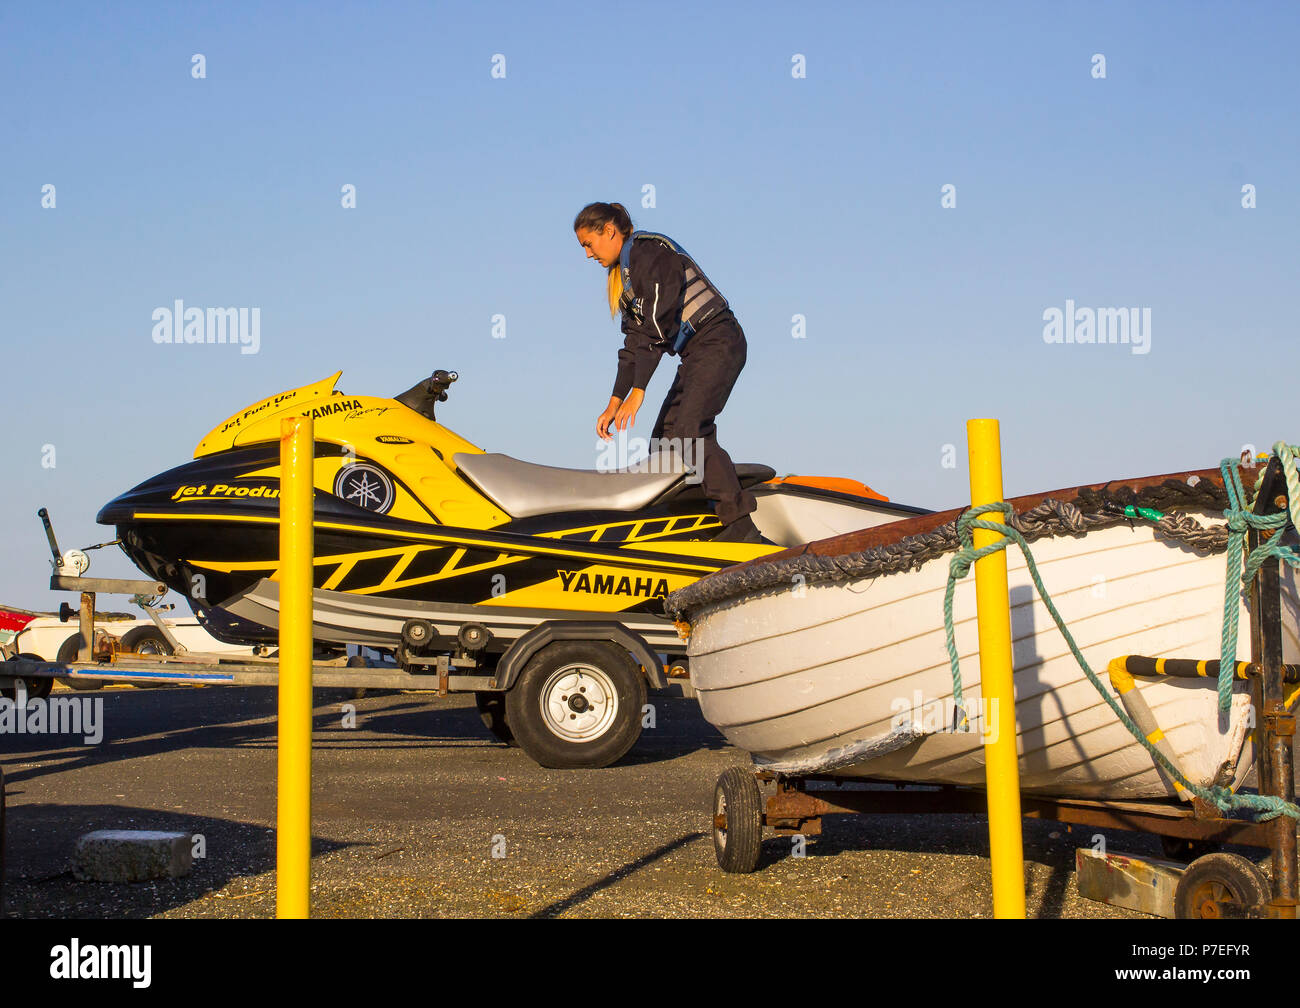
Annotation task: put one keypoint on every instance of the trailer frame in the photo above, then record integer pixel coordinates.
(101, 659)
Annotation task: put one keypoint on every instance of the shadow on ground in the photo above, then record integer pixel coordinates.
(141, 723)
(40, 840)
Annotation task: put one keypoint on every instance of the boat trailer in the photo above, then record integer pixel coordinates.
(420, 661)
(1213, 884)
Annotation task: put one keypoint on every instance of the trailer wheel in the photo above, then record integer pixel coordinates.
(492, 710)
(37, 689)
(1220, 885)
(68, 652)
(147, 640)
(577, 704)
(737, 821)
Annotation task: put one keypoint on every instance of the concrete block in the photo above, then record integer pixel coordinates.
(1143, 884)
(132, 856)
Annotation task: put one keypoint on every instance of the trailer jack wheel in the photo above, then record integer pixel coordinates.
(737, 821)
(1220, 885)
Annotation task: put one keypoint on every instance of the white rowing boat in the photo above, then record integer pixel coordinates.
(824, 660)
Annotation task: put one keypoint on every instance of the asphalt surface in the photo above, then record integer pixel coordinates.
(411, 805)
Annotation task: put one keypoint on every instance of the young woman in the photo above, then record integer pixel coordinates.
(670, 307)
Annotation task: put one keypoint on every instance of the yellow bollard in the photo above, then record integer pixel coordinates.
(1001, 769)
(293, 812)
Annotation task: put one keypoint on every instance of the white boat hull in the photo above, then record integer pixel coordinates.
(800, 677)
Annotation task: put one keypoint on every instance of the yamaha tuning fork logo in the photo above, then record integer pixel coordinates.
(366, 486)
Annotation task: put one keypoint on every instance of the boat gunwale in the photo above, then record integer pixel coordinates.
(755, 575)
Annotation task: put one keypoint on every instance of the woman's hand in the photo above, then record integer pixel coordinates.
(603, 421)
(626, 415)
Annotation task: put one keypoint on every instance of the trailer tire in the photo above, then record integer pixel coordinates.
(492, 711)
(68, 652)
(738, 844)
(1220, 885)
(147, 640)
(577, 704)
(37, 689)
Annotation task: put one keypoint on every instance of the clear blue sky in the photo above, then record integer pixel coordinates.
(817, 197)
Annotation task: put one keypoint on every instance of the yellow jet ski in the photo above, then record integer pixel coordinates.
(426, 544)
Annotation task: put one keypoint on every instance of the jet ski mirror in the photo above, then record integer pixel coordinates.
(424, 396)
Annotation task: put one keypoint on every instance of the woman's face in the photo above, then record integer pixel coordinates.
(604, 245)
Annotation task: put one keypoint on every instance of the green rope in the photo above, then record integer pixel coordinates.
(1263, 807)
(958, 568)
(1241, 518)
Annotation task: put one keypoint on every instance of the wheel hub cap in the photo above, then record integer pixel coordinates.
(579, 703)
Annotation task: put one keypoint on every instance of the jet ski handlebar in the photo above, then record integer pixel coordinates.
(423, 396)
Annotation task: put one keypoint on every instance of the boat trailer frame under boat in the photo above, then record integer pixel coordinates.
(1214, 884)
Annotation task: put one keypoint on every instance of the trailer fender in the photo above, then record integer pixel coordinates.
(516, 657)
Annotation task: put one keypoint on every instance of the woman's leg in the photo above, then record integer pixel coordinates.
(668, 411)
(707, 374)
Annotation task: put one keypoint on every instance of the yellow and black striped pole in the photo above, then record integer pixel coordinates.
(293, 810)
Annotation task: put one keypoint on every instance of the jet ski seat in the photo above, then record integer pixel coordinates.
(525, 489)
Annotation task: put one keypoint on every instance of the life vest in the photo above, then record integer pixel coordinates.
(700, 299)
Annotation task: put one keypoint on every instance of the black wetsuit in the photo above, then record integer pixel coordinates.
(712, 357)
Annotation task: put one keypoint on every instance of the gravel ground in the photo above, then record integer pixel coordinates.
(410, 805)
